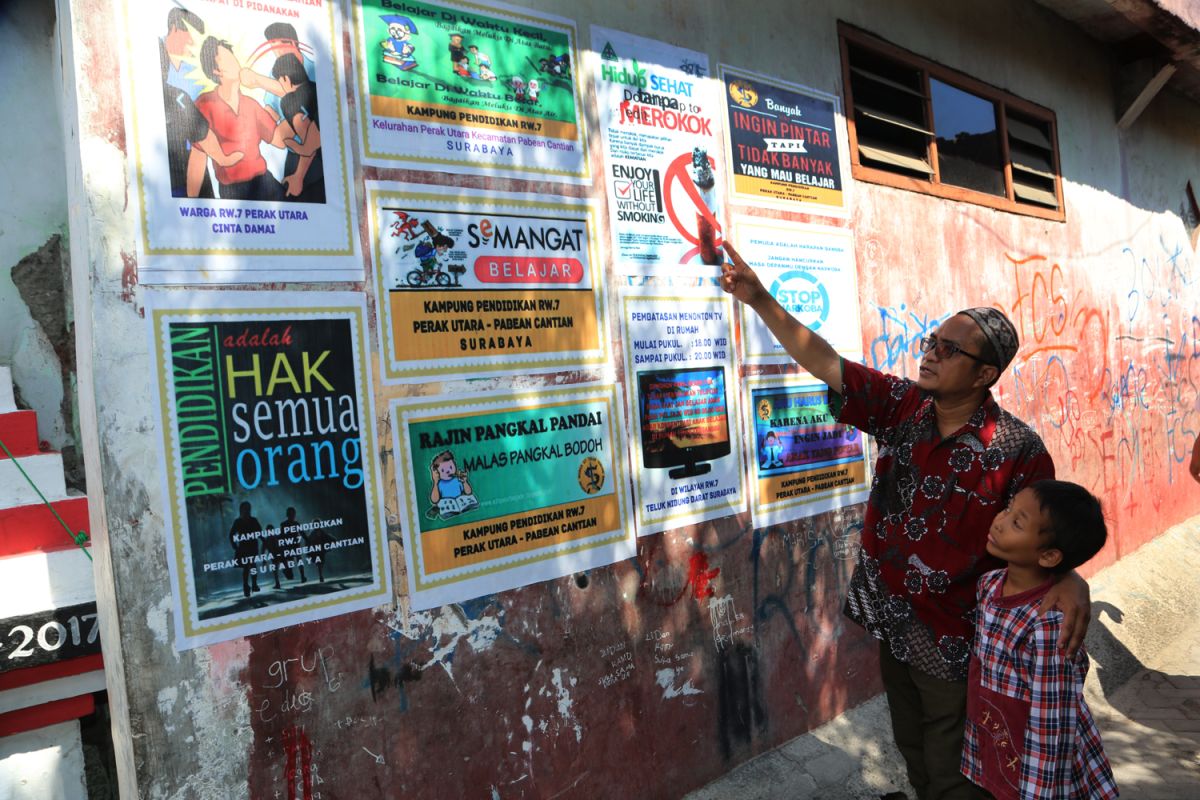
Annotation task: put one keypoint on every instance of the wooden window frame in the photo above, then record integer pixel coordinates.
(1004, 101)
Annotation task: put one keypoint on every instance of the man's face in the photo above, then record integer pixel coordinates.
(456, 41)
(958, 372)
(179, 41)
(228, 67)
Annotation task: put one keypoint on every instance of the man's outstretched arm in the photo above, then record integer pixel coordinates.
(808, 349)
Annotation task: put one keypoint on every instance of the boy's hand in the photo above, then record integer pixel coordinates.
(738, 279)
(1072, 597)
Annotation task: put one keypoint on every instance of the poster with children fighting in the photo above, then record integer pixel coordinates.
(480, 88)
(238, 142)
(268, 460)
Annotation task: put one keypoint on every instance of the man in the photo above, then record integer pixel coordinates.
(949, 460)
(244, 537)
(240, 124)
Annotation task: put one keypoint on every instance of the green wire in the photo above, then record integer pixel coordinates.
(79, 538)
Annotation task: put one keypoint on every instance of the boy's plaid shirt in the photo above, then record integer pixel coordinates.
(1030, 735)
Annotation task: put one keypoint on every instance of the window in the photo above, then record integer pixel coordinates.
(920, 126)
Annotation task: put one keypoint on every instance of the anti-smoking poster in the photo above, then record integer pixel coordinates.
(524, 487)
(804, 462)
(683, 399)
(481, 88)
(268, 461)
(238, 130)
(660, 115)
(785, 145)
(472, 284)
(810, 270)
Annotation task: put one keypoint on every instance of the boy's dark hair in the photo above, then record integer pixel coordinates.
(442, 240)
(1076, 521)
(208, 56)
(280, 30)
(177, 16)
(287, 65)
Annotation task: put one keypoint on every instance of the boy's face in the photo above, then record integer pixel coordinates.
(398, 31)
(456, 40)
(1020, 533)
(446, 470)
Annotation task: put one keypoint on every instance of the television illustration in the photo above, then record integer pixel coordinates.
(684, 419)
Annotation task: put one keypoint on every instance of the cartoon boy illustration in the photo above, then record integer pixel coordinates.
(772, 451)
(429, 252)
(397, 48)
(451, 493)
(458, 53)
(483, 64)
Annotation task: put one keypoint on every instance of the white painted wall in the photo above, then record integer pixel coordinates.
(33, 206)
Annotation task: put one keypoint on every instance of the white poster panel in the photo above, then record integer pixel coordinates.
(681, 386)
(269, 465)
(502, 493)
(803, 462)
(810, 270)
(483, 88)
(660, 119)
(474, 284)
(236, 174)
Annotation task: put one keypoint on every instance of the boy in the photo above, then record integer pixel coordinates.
(1029, 733)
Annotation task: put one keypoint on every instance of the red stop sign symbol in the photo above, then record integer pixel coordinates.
(705, 232)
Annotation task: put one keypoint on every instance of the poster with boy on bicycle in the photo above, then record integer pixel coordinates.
(472, 284)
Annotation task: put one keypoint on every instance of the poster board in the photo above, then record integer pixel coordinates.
(268, 459)
(503, 492)
(236, 175)
(802, 461)
(475, 284)
(685, 445)
(659, 118)
(488, 89)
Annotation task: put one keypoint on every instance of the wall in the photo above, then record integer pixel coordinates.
(34, 326)
(611, 683)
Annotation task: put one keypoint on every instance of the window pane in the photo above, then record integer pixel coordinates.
(967, 140)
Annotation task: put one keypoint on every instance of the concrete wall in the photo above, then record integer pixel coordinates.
(34, 324)
(558, 689)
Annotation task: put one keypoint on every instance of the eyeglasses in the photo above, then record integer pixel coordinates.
(944, 349)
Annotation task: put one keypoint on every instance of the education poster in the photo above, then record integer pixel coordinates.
(473, 283)
(659, 117)
(681, 384)
(502, 493)
(268, 461)
(804, 462)
(785, 144)
(237, 175)
(810, 270)
(466, 87)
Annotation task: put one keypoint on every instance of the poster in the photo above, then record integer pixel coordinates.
(524, 487)
(240, 160)
(268, 462)
(466, 87)
(804, 462)
(474, 283)
(660, 116)
(681, 383)
(810, 270)
(785, 143)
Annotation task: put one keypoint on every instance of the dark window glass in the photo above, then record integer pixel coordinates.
(968, 142)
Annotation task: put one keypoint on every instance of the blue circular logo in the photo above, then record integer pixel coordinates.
(804, 297)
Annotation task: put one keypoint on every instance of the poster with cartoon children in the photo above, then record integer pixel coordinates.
(503, 492)
(487, 89)
(239, 176)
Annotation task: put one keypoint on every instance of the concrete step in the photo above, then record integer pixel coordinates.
(24, 529)
(39, 581)
(18, 431)
(45, 470)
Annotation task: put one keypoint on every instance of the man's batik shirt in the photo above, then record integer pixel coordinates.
(1029, 735)
(932, 501)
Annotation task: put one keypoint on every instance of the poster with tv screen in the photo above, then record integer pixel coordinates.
(681, 386)
(803, 461)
